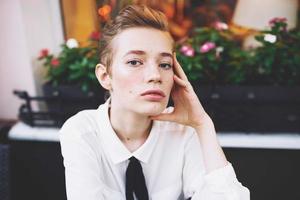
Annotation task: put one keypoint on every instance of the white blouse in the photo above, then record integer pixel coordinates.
(95, 162)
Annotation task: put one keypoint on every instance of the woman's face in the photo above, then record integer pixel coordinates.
(142, 61)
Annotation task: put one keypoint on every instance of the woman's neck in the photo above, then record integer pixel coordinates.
(133, 131)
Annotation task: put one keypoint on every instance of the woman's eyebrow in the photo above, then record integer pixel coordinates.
(165, 54)
(140, 52)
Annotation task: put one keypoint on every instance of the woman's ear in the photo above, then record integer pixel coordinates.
(103, 76)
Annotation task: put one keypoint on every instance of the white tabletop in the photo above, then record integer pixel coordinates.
(22, 131)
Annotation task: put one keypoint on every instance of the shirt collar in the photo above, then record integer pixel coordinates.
(113, 145)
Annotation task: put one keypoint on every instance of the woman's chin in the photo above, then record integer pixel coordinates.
(154, 109)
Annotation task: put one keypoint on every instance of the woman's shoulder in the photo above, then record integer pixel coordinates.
(80, 123)
(78, 134)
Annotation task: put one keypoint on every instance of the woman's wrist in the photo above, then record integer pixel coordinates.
(205, 123)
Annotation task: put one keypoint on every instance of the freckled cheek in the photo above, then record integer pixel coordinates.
(171, 81)
(171, 84)
(127, 82)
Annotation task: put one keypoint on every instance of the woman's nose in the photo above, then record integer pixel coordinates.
(153, 73)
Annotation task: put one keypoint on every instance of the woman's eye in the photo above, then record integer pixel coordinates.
(165, 65)
(134, 62)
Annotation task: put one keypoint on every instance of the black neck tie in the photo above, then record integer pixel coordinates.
(135, 181)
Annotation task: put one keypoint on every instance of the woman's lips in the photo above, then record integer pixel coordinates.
(153, 95)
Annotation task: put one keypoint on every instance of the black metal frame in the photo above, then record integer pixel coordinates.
(38, 118)
(52, 117)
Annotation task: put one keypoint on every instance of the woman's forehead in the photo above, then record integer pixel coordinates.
(143, 41)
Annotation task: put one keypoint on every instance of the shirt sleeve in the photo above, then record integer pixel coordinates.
(80, 161)
(220, 184)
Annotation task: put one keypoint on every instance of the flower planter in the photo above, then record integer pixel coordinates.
(252, 108)
(232, 108)
(70, 99)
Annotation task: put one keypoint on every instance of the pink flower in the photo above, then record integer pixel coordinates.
(95, 35)
(187, 50)
(55, 62)
(184, 48)
(43, 53)
(275, 20)
(220, 26)
(207, 46)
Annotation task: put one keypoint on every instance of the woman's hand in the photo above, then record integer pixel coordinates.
(189, 111)
(187, 107)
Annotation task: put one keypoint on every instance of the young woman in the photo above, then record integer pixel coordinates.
(132, 146)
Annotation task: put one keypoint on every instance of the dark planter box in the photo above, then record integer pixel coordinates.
(252, 108)
(71, 99)
(232, 108)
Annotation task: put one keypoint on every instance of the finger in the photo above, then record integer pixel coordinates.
(164, 117)
(180, 81)
(178, 69)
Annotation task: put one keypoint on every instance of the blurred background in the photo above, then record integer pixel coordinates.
(242, 57)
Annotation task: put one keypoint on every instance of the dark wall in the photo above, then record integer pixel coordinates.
(37, 171)
(269, 174)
